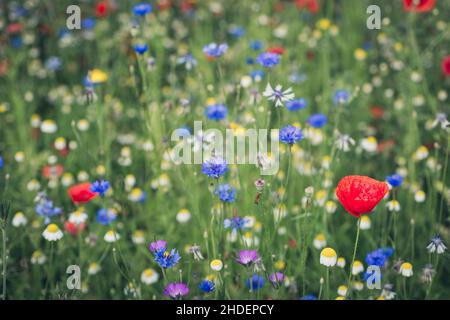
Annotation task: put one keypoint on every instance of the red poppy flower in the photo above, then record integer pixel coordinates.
(81, 193)
(421, 6)
(3, 67)
(14, 28)
(278, 7)
(311, 5)
(187, 5)
(292, 243)
(73, 228)
(276, 50)
(164, 4)
(101, 9)
(54, 171)
(446, 66)
(385, 145)
(377, 112)
(360, 194)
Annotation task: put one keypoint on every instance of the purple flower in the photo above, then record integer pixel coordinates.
(215, 167)
(290, 135)
(317, 120)
(296, 104)
(276, 279)
(158, 245)
(216, 112)
(247, 257)
(226, 193)
(176, 290)
(268, 59)
(215, 50)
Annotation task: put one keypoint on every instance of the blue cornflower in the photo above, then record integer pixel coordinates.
(188, 60)
(309, 297)
(268, 59)
(256, 45)
(376, 258)
(88, 23)
(140, 48)
(296, 104)
(225, 192)
(16, 42)
(317, 120)
(100, 186)
(250, 61)
(379, 256)
(235, 223)
(237, 31)
(207, 286)
(166, 259)
(290, 134)
(216, 112)
(257, 74)
(255, 282)
(45, 207)
(215, 50)
(215, 167)
(388, 251)
(341, 96)
(142, 9)
(1, 162)
(53, 63)
(106, 216)
(395, 180)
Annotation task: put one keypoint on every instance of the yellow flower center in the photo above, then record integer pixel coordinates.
(148, 272)
(328, 252)
(52, 228)
(407, 266)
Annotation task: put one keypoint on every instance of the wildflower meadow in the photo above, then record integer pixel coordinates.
(224, 150)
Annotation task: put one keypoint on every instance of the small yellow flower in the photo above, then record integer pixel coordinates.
(280, 265)
(323, 24)
(97, 76)
(360, 54)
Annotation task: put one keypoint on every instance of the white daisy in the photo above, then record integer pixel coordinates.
(38, 257)
(183, 216)
(111, 236)
(94, 268)
(78, 216)
(149, 276)
(328, 257)
(52, 233)
(19, 220)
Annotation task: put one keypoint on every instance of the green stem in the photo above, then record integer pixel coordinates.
(354, 254)
(4, 262)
